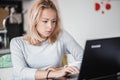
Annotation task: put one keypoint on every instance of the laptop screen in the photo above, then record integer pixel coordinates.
(101, 59)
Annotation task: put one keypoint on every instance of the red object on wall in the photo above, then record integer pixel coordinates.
(97, 6)
(103, 6)
(108, 6)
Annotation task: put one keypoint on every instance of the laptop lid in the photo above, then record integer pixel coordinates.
(101, 59)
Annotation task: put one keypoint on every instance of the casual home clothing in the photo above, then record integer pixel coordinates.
(27, 58)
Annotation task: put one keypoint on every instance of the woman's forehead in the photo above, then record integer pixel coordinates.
(48, 14)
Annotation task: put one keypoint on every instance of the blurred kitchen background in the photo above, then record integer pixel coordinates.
(83, 19)
(12, 14)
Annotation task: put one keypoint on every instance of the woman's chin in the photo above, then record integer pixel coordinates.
(47, 35)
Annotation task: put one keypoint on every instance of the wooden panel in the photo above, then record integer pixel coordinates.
(3, 14)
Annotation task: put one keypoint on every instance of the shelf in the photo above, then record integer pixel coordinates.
(4, 51)
(3, 31)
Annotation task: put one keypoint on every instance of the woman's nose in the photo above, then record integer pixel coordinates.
(50, 25)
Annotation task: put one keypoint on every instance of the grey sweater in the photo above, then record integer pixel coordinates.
(28, 58)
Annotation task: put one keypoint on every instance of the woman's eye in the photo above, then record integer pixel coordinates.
(53, 21)
(45, 21)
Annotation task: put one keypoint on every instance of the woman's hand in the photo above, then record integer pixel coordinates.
(56, 73)
(63, 71)
(71, 69)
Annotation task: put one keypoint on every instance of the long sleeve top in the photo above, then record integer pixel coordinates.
(27, 58)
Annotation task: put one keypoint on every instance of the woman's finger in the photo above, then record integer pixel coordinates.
(72, 69)
(75, 69)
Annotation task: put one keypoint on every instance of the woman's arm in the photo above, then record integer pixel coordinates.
(21, 69)
(55, 72)
(43, 74)
(73, 48)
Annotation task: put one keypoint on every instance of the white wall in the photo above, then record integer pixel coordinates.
(26, 5)
(83, 22)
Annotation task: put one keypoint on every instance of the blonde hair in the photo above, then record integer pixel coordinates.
(33, 36)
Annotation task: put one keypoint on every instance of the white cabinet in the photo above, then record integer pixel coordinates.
(6, 73)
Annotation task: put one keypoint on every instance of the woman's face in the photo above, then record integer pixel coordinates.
(47, 23)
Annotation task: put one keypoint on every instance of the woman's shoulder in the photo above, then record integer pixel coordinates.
(17, 39)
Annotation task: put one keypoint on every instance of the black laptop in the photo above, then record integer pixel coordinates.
(101, 60)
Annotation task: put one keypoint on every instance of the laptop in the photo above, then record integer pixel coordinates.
(101, 60)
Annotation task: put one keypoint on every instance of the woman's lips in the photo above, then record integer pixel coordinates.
(48, 32)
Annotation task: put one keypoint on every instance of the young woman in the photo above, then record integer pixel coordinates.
(38, 54)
